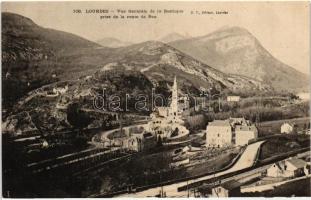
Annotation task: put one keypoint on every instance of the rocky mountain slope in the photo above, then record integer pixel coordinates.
(45, 70)
(22, 39)
(34, 56)
(46, 108)
(160, 62)
(30, 55)
(235, 50)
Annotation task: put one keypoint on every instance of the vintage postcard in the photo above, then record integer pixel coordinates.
(155, 99)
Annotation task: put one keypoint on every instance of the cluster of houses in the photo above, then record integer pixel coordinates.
(57, 91)
(230, 132)
(288, 169)
(166, 124)
(132, 138)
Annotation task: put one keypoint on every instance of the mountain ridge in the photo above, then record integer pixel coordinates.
(43, 63)
(235, 50)
(171, 37)
(30, 55)
(112, 42)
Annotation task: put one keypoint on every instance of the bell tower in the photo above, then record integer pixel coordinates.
(174, 102)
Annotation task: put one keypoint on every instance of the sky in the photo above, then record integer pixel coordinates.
(283, 28)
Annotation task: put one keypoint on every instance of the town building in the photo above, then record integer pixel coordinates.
(233, 98)
(230, 132)
(288, 127)
(132, 138)
(289, 168)
(228, 189)
(219, 134)
(307, 169)
(243, 134)
(140, 142)
(60, 90)
(239, 121)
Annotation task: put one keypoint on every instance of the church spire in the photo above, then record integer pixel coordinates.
(174, 103)
(175, 84)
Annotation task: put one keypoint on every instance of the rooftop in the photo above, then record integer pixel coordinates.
(298, 163)
(290, 123)
(219, 123)
(238, 120)
(245, 128)
(229, 185)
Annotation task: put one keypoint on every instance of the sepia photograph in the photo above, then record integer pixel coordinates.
(167, 99)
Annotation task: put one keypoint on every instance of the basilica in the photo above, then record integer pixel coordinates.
(167, 122)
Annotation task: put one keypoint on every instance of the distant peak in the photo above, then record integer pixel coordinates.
(227, 31)
(112, 42)
(233, 30)
(172, 37)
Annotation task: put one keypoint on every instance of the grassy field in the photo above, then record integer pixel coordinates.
(146, 170)
(274, 127)
(282, 144)
(218, 163)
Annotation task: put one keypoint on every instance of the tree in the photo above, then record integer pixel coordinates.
(159, 141)
(77, 118)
